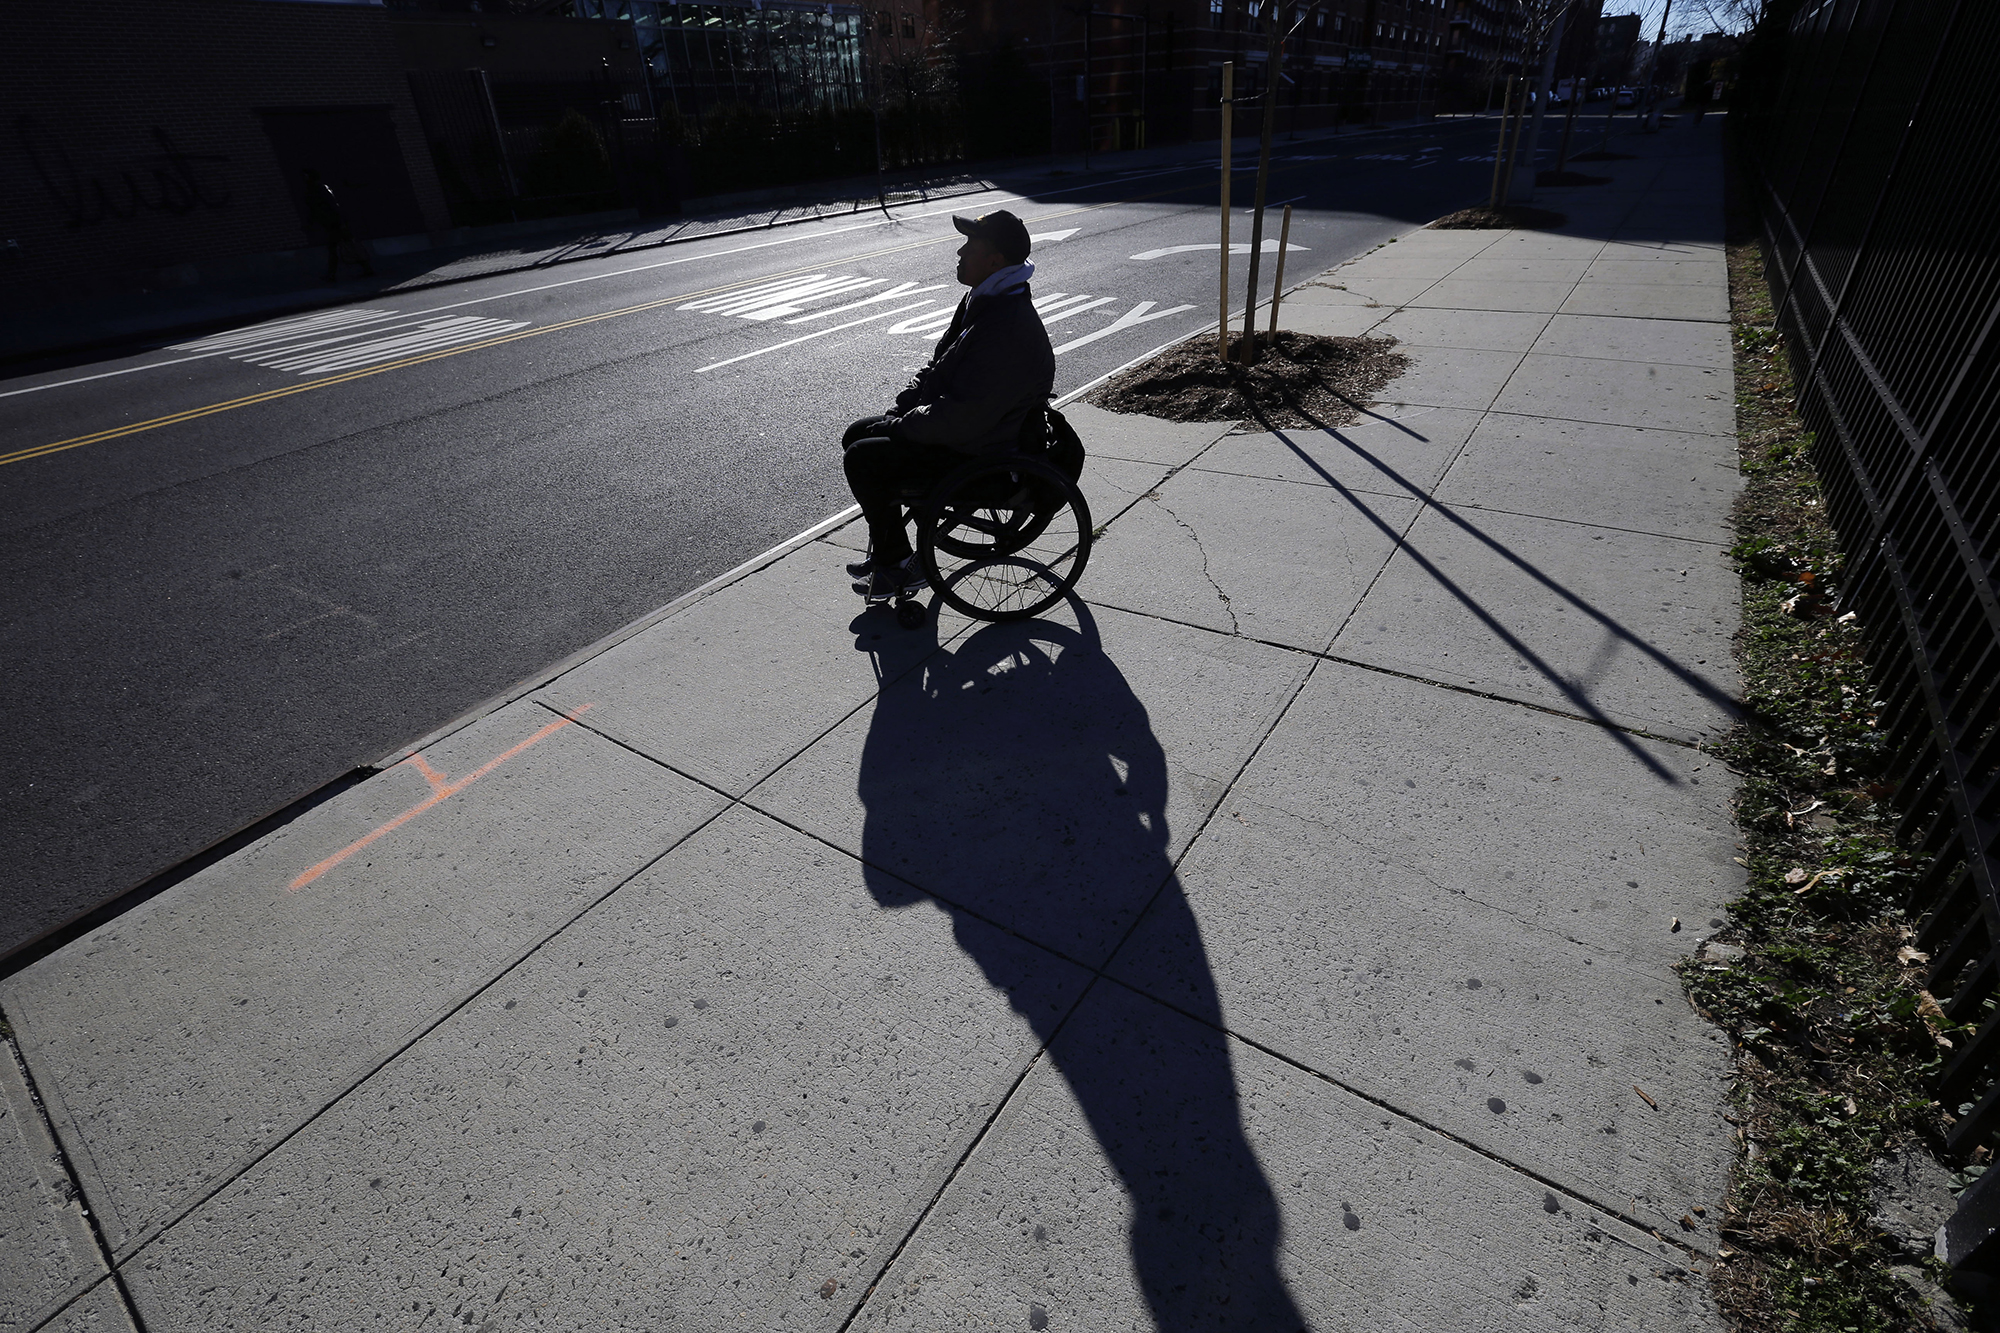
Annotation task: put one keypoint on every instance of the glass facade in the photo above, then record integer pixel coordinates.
(778, 56)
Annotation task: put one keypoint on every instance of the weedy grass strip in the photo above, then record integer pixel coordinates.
(1838, 1045)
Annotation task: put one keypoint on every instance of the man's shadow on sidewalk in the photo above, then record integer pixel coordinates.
(1015, 781)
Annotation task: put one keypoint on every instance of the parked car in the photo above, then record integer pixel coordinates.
(1627, 97)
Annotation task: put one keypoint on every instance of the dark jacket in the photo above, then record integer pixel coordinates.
(992, 367)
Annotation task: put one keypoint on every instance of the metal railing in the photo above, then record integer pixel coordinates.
(1879, 181)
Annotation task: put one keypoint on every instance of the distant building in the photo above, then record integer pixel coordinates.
(164, 143)
(904, 33)
(671, 97)
(1579, 40)
(491, 88)
(1617, 41)
(776, 56)
(1677, 57)
(1120, 73)
(1485, 38)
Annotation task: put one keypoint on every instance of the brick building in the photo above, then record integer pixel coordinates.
(1485, 40)
(1124, 73)
(154, 143)
(489, 88)
(1617, 45)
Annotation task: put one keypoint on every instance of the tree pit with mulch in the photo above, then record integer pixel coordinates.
(1305, 381)
(1504, 218)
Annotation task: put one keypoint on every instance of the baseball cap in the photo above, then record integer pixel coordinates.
(999, 229)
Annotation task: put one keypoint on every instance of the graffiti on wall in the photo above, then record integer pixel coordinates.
(169, 181)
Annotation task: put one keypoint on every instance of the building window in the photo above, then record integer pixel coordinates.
(909, 26)
(884, 27)
(1215, 14)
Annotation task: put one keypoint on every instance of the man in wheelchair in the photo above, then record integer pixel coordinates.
(991, 368)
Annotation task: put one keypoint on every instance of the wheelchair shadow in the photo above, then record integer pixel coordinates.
(1015, 781)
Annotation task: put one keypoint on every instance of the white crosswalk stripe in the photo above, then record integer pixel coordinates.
(770, 300)
(787, 299)
(315, 358)
(318, 323)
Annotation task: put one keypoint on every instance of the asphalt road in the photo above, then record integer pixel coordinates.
(237, 568)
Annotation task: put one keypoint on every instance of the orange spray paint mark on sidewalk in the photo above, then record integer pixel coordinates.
(442, 790)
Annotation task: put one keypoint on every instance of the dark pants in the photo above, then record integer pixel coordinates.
(879, 464)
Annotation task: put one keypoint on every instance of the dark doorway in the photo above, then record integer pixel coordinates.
(355, 149)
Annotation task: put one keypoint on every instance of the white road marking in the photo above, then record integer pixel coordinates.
(1269, 247)
(1053, 308)
(308, 359)
(427, 336)
(1076, 306)
(934, 322)
(894, 293)
(866, 319)
(1130, 319)
(782, 308)
(1002, 196)
(339, 336)
(1054, 235)
(225, 343)
(776, 296)
(283, 330)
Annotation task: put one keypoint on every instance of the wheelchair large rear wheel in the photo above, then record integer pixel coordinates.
(1004, 539)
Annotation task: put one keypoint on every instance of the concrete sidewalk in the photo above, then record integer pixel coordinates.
(1280, 938)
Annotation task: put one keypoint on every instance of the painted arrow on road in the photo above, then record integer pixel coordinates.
(1240, 248)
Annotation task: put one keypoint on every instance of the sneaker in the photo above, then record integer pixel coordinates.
(904, 580)
(861, 568)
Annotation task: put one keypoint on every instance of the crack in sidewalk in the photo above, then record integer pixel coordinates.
(1235, 627)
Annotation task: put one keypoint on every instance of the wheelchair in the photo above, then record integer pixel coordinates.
(1001, 537)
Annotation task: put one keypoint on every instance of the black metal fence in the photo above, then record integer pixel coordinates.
(1872, 131)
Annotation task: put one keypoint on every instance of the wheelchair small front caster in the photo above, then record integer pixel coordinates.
(911, 614)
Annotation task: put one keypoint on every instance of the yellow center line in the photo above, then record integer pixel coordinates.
(270, 395)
